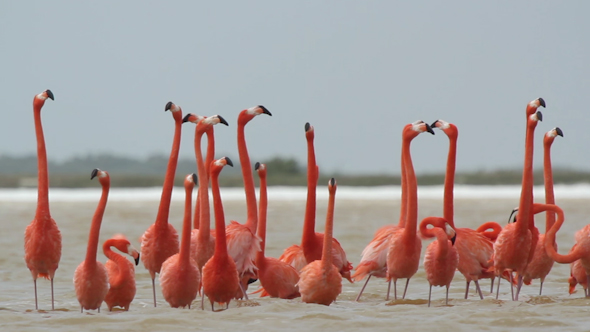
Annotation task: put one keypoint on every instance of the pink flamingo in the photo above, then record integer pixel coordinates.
(180, 277)
(42, 237)
(320, 281)
(311, 241)
(441, 258)
(541, 264)
(242, 242)
(512, 249)
(121, 272)
(277, 278)
(403, 254)
(91, 277)
(578, 276)
(160, 240)
(220, 274)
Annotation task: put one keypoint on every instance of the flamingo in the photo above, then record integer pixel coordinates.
(42, 236)
(220, 275)
(475, 249)
(578, 276)
(512, 249)
(541, 264)
(180, 277)
(311, 241)
(441, 257)
(490, 229)
(160, 240)
(121, 272)
(278, 278)
(404, 247)
(242, 242)
(202, 241)
(320, 281)
(91, 277)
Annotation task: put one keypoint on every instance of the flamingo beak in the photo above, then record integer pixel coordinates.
(137, 260)
(558, 131)
(539, 115)
(542, 102)
(222, 120)
(453, 239)
(433, 125)
(265, 110)
(49, 94)
(228, 162)
(94, 173)
(429, 129)
(186, 117)
(168, 106)
(513, 212)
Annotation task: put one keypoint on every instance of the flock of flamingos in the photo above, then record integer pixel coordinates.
(221, 263)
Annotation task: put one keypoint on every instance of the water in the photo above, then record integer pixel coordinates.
(359, 212)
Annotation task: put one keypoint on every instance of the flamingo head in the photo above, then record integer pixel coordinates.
(513, 215)
(217, 165)
(103, 176)
(332, 184)
(208, 122)
(190, 181)
(451, 233)
(249, 114)
(175, 109)
(39, 99)
(448, 128)
(534, 119)
(190, 117)
(551, 134)
(120, 242)
(413, 129)
(533, 105)
(309, 131)
(261, 169)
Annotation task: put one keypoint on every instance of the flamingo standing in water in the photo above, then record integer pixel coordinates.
(441, 257)
(541, 264)
(475, 249)
(42, 237)
(220, 274)
(277, 278)
(242, 241)
(180, 277)
(311, 241)
(578, 276)
(160, 240)
(403, 254)
(121, 272)
(202, 241)
(512, 249)
(91, 277)
(320, 281)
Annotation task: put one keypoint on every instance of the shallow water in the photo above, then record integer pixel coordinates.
(359, 212)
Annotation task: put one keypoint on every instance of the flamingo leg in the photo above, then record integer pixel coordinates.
(429, 293)
(99, 310)
(35, 283)
(479, 289)
(518, 286)
(362, 289)
(587, 290)
(511, 286)
(541, 287)
(154, 290)
(447, 299)
(388, 289)
(498, 287)
(52, 306)
(467, 289)
(492, 287)
(243, 291)
(406, 288)
(203, 301)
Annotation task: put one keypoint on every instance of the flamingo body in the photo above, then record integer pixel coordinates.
(441, 260)
(121, 273)
(325, 287)
(91, 284)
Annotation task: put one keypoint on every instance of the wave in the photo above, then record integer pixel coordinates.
(284, 193)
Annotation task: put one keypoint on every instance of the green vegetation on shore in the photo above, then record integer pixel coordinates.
(127, 172)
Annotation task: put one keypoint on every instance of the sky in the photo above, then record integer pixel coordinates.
(358, 71)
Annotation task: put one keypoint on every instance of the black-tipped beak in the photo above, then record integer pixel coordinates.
(195, 178)
(332, 182)
(185, 119)
(222, 120)
(137, 260)
(256, 166)
(513, 212)
(542, 102)
(168, 106)
(558, 131)
(429, 129)
(453, 239)
(307, 126)
(539, 116)
(49, 94)
(433, 125)
(264, 110)
(228, 161)
(94, 173)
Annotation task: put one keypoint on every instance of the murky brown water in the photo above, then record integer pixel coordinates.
(356, 221)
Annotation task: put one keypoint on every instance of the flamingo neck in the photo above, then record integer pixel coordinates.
(548, 179)
(443, 242)
(526, 194)
(327, 249)
(220, 241)
(433, 221)
(203, 193)
(574, 254)
(263, 205)
(208, 160)
(252, 221)
(308, 236)
(95, 226)
(448, 209)
(123, 273)
(185, 241)
(42, 212)
(412, 185)
(164, 208)
(403, 208)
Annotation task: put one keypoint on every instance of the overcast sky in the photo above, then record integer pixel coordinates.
(358, 71)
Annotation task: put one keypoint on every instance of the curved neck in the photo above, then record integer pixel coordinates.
(95, 226)
(526, 194)
(42, 212)
(308, 235)
(432, 221)
(220, 242)
(263, 204)
(164, 208)
(484, 228)
(203, 193)
(122, 273)
(412, 185)
(251, 207)
(443, 242)
(548, 179)
(448, 209)
(185, 242)
(574, 254)
(327, 249)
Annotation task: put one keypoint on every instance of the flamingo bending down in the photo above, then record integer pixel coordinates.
(180, 277)
(160, 240)
(311, 241)
(90, 277)
(541, 264)
(403, 254)
(42, 236)
(320, 281)
(121, 272)
(220, 276)
(578, 276)
(441, 258)
(512, 249)
(242, 241)
(277, 278)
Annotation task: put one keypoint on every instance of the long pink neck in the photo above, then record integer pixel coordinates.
(203, 193)
(208, 160)
(252, 221)
(220, 242)
(548, 179)
(573, 255)
(433, 221)
(403, 207)
(327, 249)
(308, 236)
(448, 209)
(164, 208)
(526, 195)
(95, 226)
(412, 204)
(185, 241)
(263, 204)
(443, 242)
(42, 212)
(123, 272)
